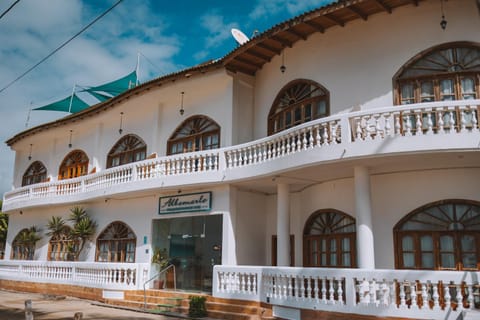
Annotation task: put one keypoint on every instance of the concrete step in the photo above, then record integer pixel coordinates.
(167, 301)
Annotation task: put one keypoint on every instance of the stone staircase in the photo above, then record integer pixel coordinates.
(177, 303)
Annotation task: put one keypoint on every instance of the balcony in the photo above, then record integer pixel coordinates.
(375, 133)
(382, 293)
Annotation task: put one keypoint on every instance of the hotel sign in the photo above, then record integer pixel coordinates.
(192, 202)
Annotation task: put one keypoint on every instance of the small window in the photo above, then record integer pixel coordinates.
(74, 165)
(36, 173)
(329, 240)
(443, 73)
(442, 236)
(23, 246)
(117, 243)
(127, 150)
(195, 134)
(293, 105)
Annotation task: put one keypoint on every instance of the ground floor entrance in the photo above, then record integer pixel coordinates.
(193, 245)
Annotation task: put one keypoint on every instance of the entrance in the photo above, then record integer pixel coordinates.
(193, 245)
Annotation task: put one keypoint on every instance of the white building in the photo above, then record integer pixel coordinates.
(343, 142)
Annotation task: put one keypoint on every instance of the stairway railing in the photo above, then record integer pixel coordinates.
(163, 271)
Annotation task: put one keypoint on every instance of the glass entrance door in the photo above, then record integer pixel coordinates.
(192, 244)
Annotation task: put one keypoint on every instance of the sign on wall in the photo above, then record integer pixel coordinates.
(192, 202)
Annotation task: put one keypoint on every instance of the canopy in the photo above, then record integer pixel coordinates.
(116, 87)
(70, 104)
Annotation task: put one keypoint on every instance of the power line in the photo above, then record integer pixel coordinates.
(60, 47)
(10, 8)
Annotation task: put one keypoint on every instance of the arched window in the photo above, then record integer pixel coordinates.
(128, 149)
(61, 246)
(298, 102)
(195, 134)
(116, 243)
(74, 165)
(441, 235)
(23, 246)
(447, 72)
(329, 240)
(35, 173)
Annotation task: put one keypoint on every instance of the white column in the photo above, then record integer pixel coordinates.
(363, 209)
(97, 159)
(283, 225)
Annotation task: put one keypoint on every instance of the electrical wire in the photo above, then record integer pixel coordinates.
(60, 47)
(10, 8)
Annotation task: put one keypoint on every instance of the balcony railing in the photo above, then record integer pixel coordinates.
(118, 276)
(417, 294)
(350, 131)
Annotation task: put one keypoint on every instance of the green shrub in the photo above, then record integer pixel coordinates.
(197, 308)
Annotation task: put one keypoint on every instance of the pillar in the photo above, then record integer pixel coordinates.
(363, 210)
(283, 225)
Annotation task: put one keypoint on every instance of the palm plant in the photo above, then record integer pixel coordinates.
(83, 229)
(28, 238)
(3, 227)
(55, 226)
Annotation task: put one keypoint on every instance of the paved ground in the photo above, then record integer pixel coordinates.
(12, 307)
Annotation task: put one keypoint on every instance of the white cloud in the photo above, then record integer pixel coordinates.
(107, 50)
(218, 32)
(266, 8)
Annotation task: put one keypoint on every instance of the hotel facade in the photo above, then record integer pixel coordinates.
(329, 164)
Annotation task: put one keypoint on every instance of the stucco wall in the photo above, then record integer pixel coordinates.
(356, 63)
(393, 196)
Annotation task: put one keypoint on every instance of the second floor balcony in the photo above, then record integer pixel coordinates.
(376, 133)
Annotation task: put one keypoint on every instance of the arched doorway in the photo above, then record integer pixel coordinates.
(329, 240)
(74, 165)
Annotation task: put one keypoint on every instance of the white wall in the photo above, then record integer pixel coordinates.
(356, 63)
(153, 116)
(250, 228)
(393, 197)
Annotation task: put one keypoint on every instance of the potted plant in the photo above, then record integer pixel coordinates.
(197, 307)
(161, 260)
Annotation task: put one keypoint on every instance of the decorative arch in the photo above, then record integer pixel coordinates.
(442, 235)
(130, 148)
(61, 246)
(75, 164)
(299, 101)
(194, 134)
(329, 240)
(35, 173)
(450, 71)
(116, 243)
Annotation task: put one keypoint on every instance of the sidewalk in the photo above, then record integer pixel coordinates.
(12, 307)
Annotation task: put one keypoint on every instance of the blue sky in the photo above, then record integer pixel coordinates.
(169, 35)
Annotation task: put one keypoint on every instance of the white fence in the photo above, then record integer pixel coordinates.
(120, 276)
(416, 294)
(436, 119)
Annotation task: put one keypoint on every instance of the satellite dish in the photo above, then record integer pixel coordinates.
(239, 36)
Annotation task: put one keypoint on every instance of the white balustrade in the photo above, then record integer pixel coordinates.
(375, 125)
(418, 294)
(97, 275)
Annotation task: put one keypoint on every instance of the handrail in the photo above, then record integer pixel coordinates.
(164, 270)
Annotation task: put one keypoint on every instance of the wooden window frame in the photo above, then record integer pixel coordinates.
(126, 150)
(116, 239)
(58, 246)
(75, 164)
(19, 249)
(456, 70)
(194, 130)
(35, 173)
(279, 112)
(435, 234)
(336, 232)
